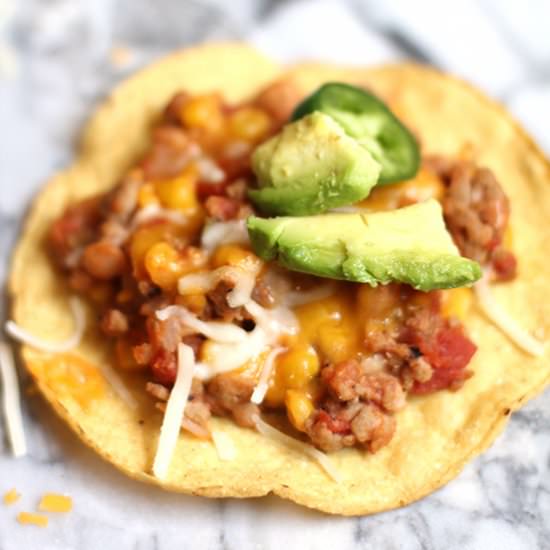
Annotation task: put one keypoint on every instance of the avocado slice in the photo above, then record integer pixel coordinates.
(310, 166)
(367, 119)
(410, 245)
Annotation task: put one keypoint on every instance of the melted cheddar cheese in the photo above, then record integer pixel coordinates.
(70, 375)
(425, 185)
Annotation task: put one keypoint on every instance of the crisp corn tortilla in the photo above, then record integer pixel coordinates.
(437, 434)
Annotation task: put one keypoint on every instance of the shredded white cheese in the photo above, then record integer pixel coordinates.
(154, 211)
(194, 428)
(117, 384)
(300, 297)
(224, 445)
(210, 172)
(221, 357)
(214, 330)
(144, 215)
(271, 324)
(12, 402)
(321, 458)
(20, 334)
(218, 233)
(175, 408)
(244, 279)
(504, 322)
(276, 321)
(263, 381)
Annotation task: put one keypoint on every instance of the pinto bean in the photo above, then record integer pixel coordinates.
(103, 260)
(279, 99)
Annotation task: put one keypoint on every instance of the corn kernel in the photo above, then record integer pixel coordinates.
(249, 124)
(164, 265)
(231, 254)
(456, 302)
(425, 185)
(338, 342)
(298, 365)
(179, 193)
(193, 302)
(147, 195)
(315, 389)
(147, 236)
(203, 111)
(276, 392)
(299, 407)
(379, 302)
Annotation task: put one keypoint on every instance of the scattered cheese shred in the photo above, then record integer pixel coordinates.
(244, 280)
(21, 335)
(52, 502)
(224, 445)
(175, 408)
(504, 322)
(27, 518)
(210, 172)
(154, 211)
(11, 401)
(263, 381)
(300, 297)
(117, 384)
(193, 428)
(321, 458)
(215, 330)
(241, 294)
(11, 497)
(218, 233)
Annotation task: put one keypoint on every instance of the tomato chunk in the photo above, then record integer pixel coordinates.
(441, 380)
(448, 350)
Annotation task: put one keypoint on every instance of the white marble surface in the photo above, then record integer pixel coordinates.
(55, 65)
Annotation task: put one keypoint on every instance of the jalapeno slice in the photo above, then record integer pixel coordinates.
(368, 120)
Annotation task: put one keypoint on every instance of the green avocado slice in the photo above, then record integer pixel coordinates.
(312, 165)
(367, 119)
(410, 245)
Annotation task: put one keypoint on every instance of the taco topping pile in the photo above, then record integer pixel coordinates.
(323, 318)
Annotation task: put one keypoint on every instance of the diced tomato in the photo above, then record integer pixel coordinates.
(448, 351)
(164, 367)
(452, 350)
(235, 166)
(445, 348)
(335, 425)
(205, 190)
(440, 380)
